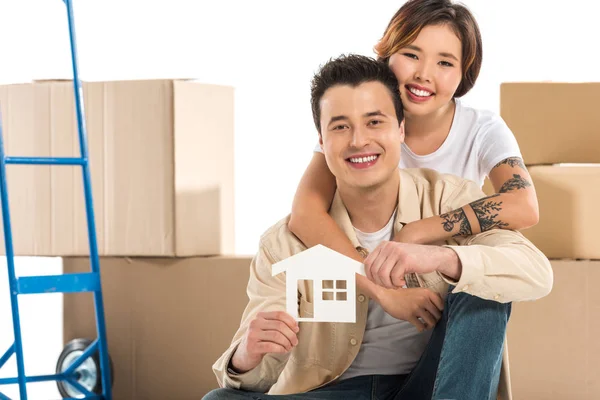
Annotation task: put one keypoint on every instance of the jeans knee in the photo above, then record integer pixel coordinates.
(232, 394)
(467, 305)
(212, 395)
(217, 394)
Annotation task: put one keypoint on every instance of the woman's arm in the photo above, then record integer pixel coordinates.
(513, 206)
(310, 220)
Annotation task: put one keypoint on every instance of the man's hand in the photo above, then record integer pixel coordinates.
(390, 261)
(268, 332)
(421, 307)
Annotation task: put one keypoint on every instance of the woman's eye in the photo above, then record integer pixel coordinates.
(410, 55)
(446, 64)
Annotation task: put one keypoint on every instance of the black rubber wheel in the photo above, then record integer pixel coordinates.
(88, 372)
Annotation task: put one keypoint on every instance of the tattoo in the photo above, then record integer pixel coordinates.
(454, 217)
(516, 182)
(512, 161)
(486, 211)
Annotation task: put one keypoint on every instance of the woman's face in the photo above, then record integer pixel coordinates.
(428, 70)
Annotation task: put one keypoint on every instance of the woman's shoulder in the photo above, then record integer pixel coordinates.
(481, 121)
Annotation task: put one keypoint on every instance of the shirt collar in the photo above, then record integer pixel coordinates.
(407, 210)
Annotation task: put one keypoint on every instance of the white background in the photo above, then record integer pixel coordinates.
(267, 50)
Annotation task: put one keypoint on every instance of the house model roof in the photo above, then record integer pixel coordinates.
(316, 258)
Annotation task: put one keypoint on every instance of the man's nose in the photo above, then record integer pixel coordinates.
(360, 137)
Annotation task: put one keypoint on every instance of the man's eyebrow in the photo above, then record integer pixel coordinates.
(443, 53)
(377, 113)
(337, 118)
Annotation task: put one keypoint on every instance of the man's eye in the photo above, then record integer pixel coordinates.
(339, 127)
(375, 122)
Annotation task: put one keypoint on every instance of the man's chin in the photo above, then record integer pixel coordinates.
(364, 184)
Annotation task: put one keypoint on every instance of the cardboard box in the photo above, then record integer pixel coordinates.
(567, 198)
(161, 159)
(168, 321)
(553, 122)
(568, 226)
(553, 342)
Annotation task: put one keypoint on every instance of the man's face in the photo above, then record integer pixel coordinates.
(360, 134)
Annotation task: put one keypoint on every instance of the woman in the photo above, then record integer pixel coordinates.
(434, 48)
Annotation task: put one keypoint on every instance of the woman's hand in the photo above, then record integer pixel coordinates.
(421, 307)
(411, 233)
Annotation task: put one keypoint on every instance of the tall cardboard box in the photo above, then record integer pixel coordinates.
(167, 320)
(553, 122)
(161, 159)
(553, 342)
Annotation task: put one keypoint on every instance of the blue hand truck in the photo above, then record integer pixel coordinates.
(83, 369)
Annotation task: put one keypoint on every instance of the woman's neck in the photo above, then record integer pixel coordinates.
(426, 133)
(424, 125)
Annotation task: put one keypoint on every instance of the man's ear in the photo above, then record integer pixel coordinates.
(321, 140)
(402, 131)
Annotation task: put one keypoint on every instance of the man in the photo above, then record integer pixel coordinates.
(463, 288)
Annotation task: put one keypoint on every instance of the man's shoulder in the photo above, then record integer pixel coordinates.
(280, 242)
(446, 190)
(430, 178)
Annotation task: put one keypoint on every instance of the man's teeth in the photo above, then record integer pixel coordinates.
(363, 159)
(420, 93)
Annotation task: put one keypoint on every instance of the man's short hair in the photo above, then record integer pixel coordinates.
(353, 70)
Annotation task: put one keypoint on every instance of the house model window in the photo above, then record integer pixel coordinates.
(331, 279)
(337, 293)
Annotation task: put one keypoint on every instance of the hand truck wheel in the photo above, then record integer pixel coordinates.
(88, 373)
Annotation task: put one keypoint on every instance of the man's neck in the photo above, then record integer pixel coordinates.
(370, 209)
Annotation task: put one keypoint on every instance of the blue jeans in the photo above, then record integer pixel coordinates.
(461, 361)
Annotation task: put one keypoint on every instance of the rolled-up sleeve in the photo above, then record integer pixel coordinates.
(503, 266)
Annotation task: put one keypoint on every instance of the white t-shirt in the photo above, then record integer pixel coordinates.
(390, 346)
(478, 140)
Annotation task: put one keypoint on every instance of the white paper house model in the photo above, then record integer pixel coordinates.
(333, 277)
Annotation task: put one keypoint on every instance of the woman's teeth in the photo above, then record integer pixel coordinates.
(420, 93)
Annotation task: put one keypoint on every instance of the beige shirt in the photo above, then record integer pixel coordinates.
(498, 265)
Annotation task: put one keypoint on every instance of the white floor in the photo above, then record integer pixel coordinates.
(41, 328)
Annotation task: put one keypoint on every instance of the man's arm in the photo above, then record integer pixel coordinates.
(498, 265)
(501, 265)
(266, 294)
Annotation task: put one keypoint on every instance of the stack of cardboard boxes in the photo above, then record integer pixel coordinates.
(554, 343)
(161, 158)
